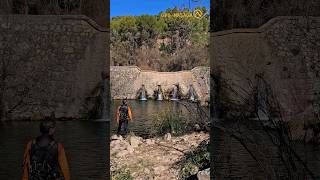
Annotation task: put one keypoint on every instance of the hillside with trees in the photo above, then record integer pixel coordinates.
(161, 43)
(95, 9)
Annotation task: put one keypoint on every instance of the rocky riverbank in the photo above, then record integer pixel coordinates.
(156, 158)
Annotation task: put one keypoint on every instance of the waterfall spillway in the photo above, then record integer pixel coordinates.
(102, 114)
(159, 94)
(174, 94)
(143, 96)
(191, 94)
(262, 94)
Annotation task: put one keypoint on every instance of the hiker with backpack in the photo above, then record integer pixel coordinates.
(123, 116)
(44, 158)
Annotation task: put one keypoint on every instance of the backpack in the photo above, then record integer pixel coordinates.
(123, 112)
(44, 162)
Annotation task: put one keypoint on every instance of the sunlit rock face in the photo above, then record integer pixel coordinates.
(126, 81)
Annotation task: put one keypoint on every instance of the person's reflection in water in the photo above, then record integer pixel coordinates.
(44, 158)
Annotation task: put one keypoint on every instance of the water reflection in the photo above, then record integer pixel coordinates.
(232, 160)
(174, 95)
(144, 113)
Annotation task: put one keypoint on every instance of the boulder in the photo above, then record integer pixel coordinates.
(204, 175)
(134, 141)
(116, 137)
(115, 144)
(167, 137)
(122, 153)
(194, 170)
(130, 149)
(197, 127)
(159, 169)
(146, 171)
(150, 141)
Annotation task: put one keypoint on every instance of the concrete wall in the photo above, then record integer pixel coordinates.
(127, 80)
(50, 64)
(285, 51)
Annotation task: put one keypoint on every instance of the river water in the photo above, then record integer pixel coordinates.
(84, 142)
(233, 161)
(86, 147)
(144, 112)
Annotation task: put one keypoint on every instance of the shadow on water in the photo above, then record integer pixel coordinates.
(84, 142)
(232, 161)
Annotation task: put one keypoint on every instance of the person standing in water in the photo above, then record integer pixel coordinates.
(123, 116)
(44, 158)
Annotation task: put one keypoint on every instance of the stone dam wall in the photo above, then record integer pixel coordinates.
(285, 52)
(53, 64)
(50, 65)
(127, 80)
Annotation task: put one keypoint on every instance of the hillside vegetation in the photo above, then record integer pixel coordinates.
(161, 43)
(95, 9)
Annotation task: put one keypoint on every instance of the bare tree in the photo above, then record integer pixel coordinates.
(275, 136)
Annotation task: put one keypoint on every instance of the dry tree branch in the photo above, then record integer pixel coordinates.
(281, 138)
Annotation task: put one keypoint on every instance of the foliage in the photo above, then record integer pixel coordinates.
(199, 157)
(169, 122)
(262, 139)
(95, 9)
(159, 42)
(122, 174)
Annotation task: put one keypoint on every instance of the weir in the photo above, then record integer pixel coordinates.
(143, 95)
(192, 94)
(159, 95)
(174, 94)
(126, 81)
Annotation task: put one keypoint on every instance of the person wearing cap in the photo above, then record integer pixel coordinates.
(123, 116)
(44, 158)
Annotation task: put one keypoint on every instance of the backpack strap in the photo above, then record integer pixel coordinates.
(32, 144)
(52, 143)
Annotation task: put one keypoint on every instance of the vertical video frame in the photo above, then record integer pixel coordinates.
(264, 60)
(54, 94)
(160, 89)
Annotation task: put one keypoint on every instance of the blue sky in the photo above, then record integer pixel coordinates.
(139, 7)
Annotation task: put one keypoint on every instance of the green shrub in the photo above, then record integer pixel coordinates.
(169, 122)
(187, 170)
(122, 174)
(199, 157)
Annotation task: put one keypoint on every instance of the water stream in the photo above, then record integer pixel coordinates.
(144, 112)
(191, 93)
(174, 94)
(159, 93)
(143, 96)
(85, 145)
